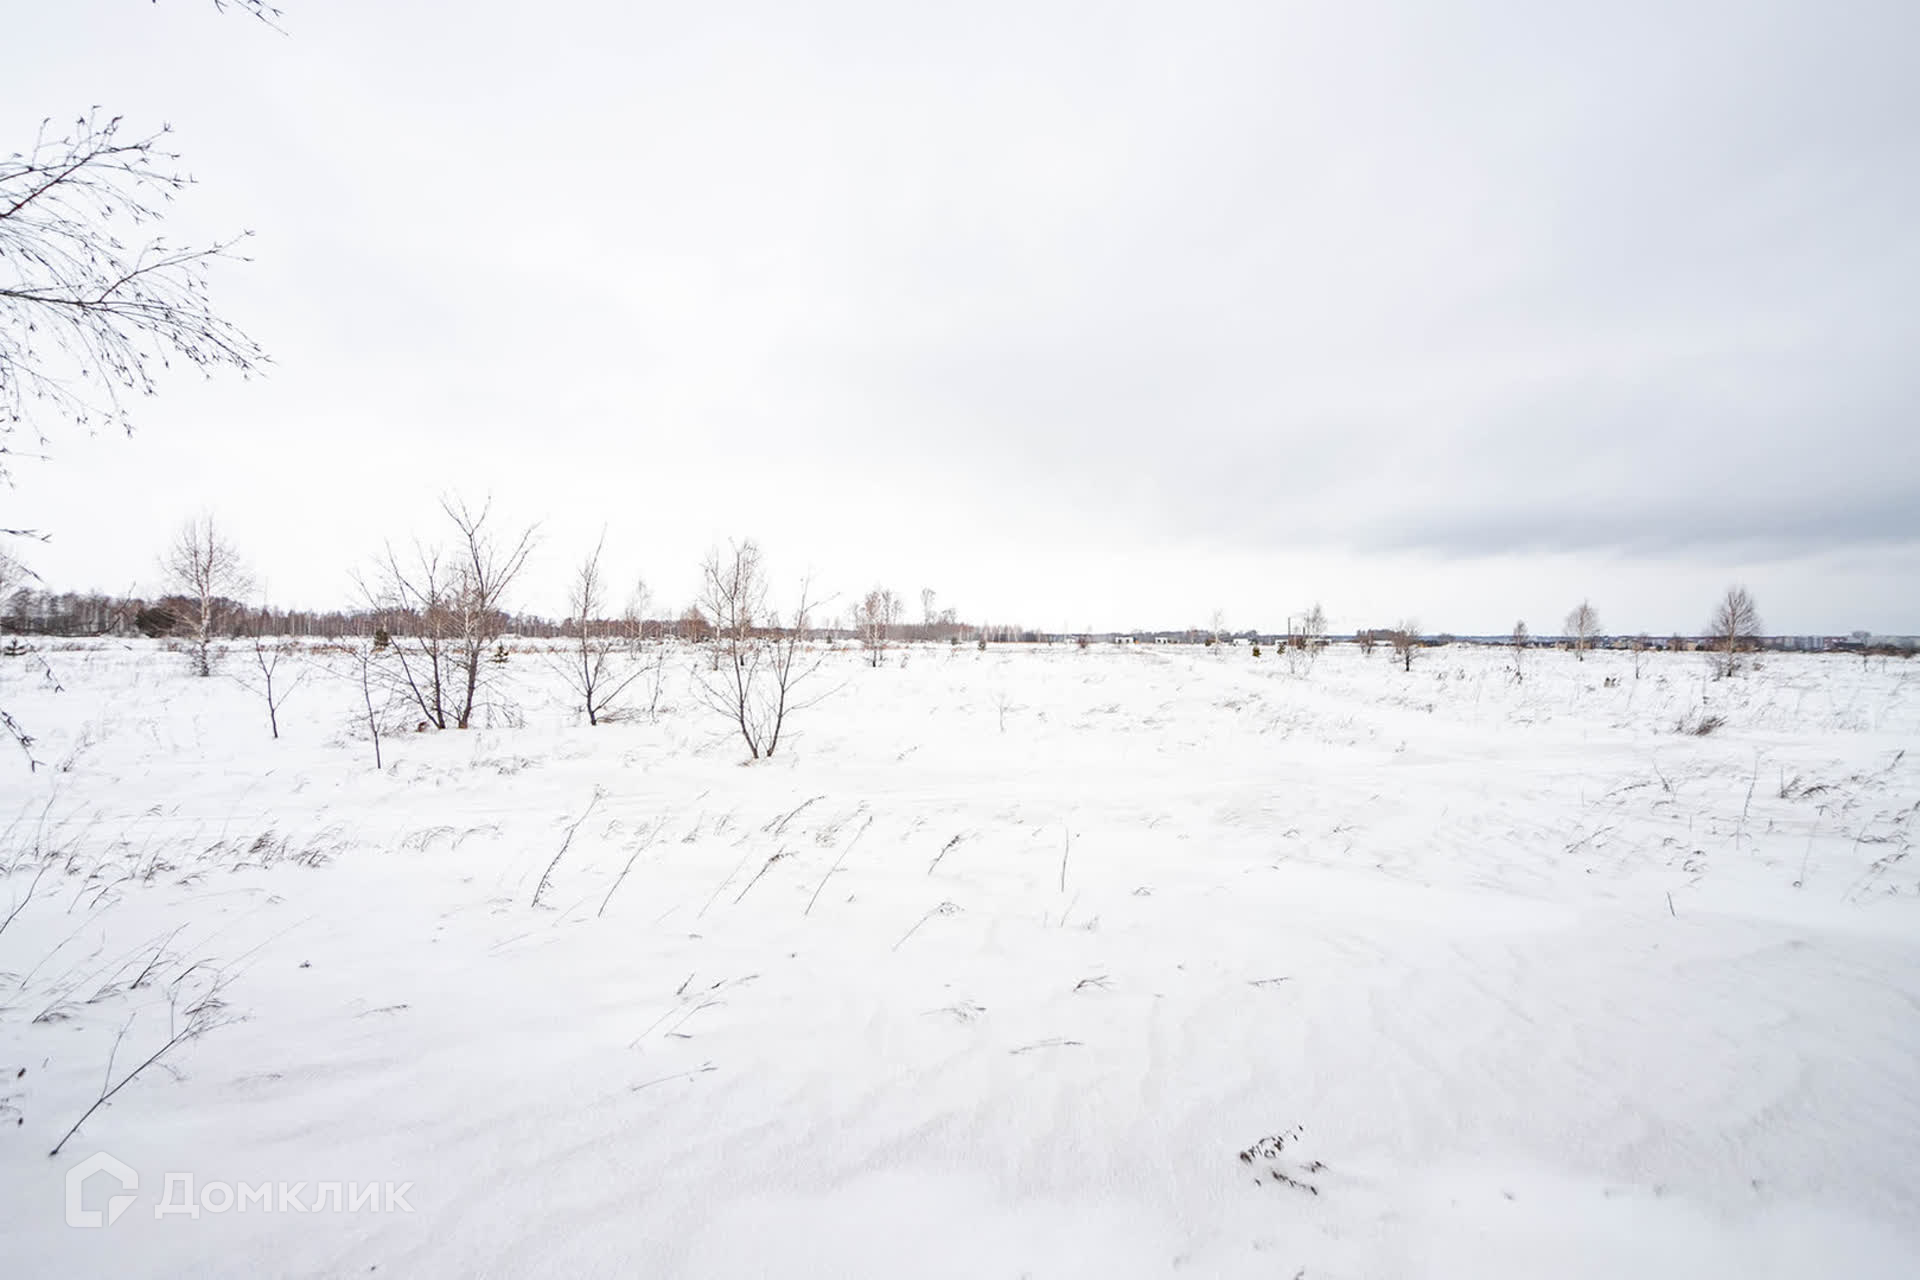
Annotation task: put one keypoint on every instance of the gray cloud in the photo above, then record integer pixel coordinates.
(1468, 280)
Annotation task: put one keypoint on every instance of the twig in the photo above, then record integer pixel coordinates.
(724, 883)
(619, 879)
(1057, 1043)
(943, 853)
(199, 1022)
(106, 1081)
(1751, 784)
(704, 1005)
(780, 824)
(1808, 853)
(768, 866)
(678, 1075)
(1069, 911)
(1595, 834)
(158, 952)
(21, 737)
(22, 904)
(944, 909)
(547, 875)
(836, 865)
(1063, 860)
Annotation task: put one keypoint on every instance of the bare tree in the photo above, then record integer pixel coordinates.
(1366, 639)
(1641, 646)
(409, 599)
(445, 609)
(1734, 628)
(363, 656)
(264, 675)
(484, 569)
(1583, 625)
(1313, 627)
(761, 664)
(693, 626)
(1521, 642)
(929, 616)
(1217, 626)
(635, 626)
(874, 619)
(1405, 638)
(203, 566)
(1305, 640)
(600, 663)
(646, 645)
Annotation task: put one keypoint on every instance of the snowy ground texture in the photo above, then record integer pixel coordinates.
(1124, 962)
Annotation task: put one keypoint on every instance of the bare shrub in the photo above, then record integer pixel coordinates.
(601, 660)
(1699, 723)
(760, 664)
(362, 670)
(1306, 636)
(444, 609)
(874, 619)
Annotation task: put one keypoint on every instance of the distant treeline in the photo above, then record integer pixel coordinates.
(29, 611)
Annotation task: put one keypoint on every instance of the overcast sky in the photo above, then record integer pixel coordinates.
(1088, 315)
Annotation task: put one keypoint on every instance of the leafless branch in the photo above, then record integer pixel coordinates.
(91, 309)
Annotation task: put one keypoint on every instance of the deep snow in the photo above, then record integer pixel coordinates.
(1484, 978)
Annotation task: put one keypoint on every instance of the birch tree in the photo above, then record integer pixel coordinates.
(205, 568)
(761, 665)
(602, 660)
(874, 619)
(1305, 640)
(1583, 627)
(1733, 629)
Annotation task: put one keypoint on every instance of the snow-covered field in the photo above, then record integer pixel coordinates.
(1017, 963)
